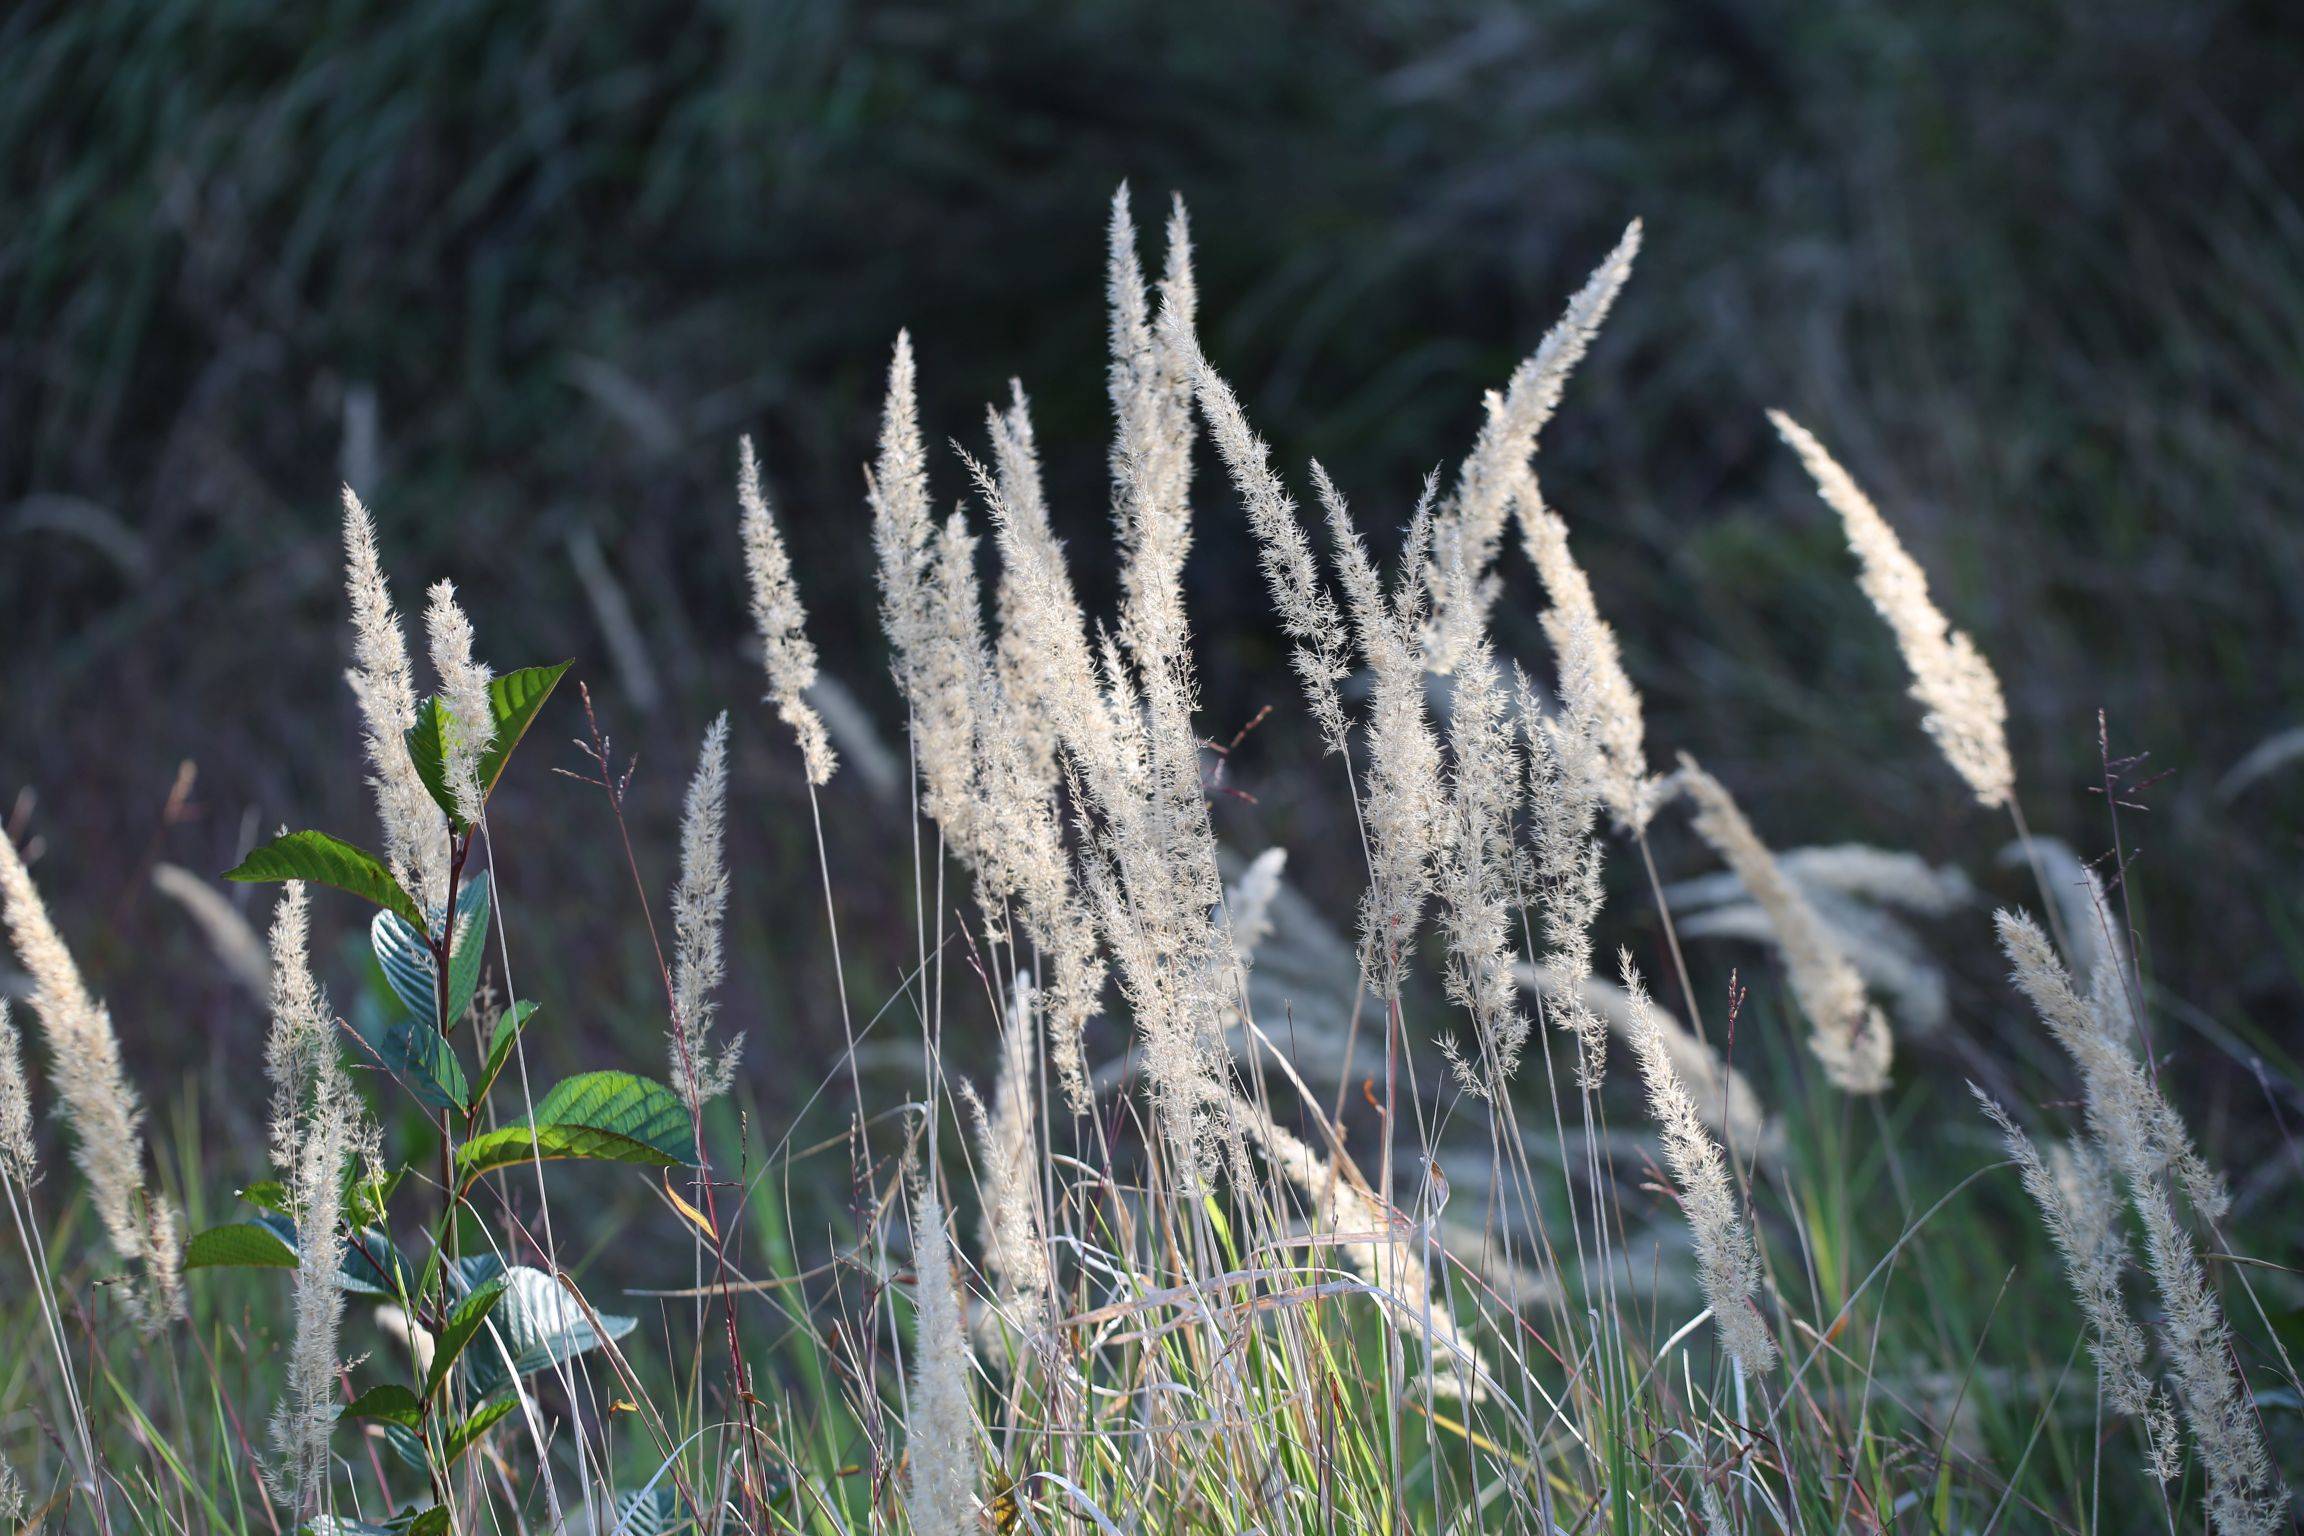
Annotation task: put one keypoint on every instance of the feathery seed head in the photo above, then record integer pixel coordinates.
(415, 833)
(1966, 712)
(1602, 706)
(19, 1159)
(1850, 1036)
(940, 1482)
(1727, 1258)
(701, 1071)
(1470, 528)
(84, 1064)
(777, 613)
(464, 693)
(1007, 1140)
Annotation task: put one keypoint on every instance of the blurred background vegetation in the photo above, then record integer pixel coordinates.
(524, 272)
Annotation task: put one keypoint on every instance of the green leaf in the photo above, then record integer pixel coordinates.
(460, 1438)
(432, 1522)
(404, 954)
(391, 1402)
(509, 1025)
(463, 1324)
(515, 700)
(373, 1266)
(428, 749)
(603, 1116)
(268, 1193)
(324, 860)
(240, 1245)
(365, 1199)
(540, 1325)
(427, 1064)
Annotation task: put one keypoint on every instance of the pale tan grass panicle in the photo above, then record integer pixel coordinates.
(940, 1454)
(1380, 1246)
(1850, 1036)
(2147, 1142)
(1727, 1259)
(415, 832)
(1564, 858)
(1403, 806)
(1150, 384)
(702, 1070)
(1470, 528)
(464, 683)
(2124, 1103)
(19, 1156)
(1007, 1143)
(1308, 613)
(1027, 677)
(1477, 874)
(103, 1111)
(1248, 903)
(1600, 703)
(1966, 712)
(318, 1131)
(2082, 1213)
(777, 613)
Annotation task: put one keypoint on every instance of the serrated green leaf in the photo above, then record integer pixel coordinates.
(509, 1025)
(461, 1438)
(240, 1245)
(365, 1200)
(606, 1116)
(428, 1064)
(323, 860)
(268, 1193)
(373, 1266)
(470, 1316)
(408, 1446)
(539, 1325)
(404, 954)
(469, 946)
(428, 749)
(391, 1402)
(515, 699)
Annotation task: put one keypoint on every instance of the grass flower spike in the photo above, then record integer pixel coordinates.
(781, 620)
(1967, 715)
(105, 1115)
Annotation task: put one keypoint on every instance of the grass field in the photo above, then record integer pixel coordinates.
(1188, 1077)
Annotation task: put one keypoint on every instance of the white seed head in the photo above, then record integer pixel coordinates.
(1966, 713)
(940, 1481)
(781, 620)
(415, 832)
(702, 1069)
(1470, 528)
(19, 1159)
(1599, 702)
(471, 722)
(103, 1111)
(1850, 1036)
(1727, 1259)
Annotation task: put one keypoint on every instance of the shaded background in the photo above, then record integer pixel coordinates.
(524, 273)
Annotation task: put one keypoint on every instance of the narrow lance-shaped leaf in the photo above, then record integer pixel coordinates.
(463, 1325)
(515, 699)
